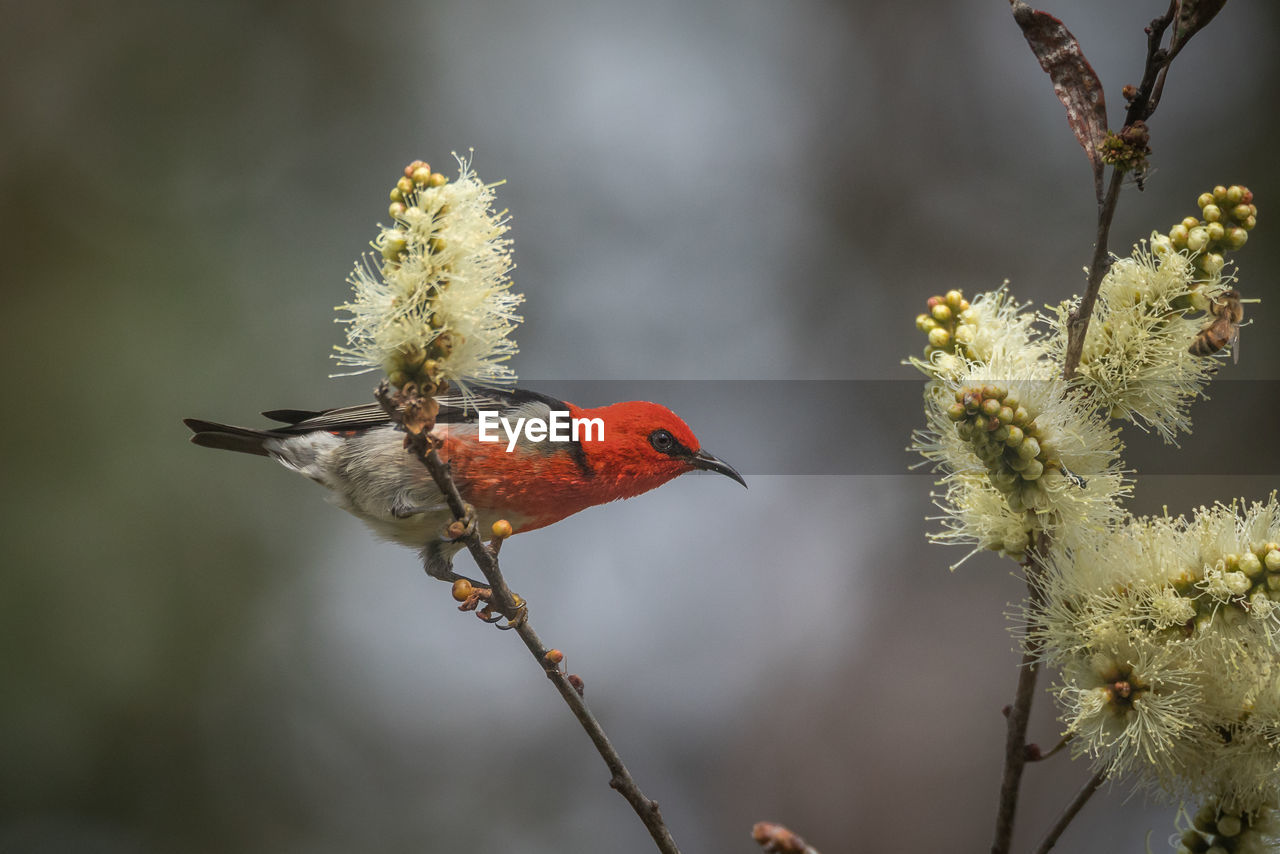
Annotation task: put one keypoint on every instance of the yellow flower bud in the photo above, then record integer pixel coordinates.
(1197, 239)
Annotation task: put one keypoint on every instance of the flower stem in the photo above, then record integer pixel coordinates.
(1077, 804)
(1078, 325)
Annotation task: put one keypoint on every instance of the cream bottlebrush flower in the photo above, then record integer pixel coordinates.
(1136, 362)
(1167, 638)
(433, 304)
(993, 327)
(1021, 454)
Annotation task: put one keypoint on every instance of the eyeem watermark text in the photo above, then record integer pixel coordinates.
(560, 427)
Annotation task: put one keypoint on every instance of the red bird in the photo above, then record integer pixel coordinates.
(505, 467)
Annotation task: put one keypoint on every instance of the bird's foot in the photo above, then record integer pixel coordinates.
(474, 597)
(460, 528)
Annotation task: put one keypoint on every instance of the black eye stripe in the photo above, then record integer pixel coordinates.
(664, 443)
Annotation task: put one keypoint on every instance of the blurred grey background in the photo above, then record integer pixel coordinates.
(198, 654)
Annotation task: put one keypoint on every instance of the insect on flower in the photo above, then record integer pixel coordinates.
(1224, 329)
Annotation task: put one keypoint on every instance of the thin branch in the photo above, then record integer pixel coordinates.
(1019, 713)
(1015, 754)
(778, 839)
(513, 608)
(1078, 324)
(1141, 106)
(1069, 813)
(1057, 748)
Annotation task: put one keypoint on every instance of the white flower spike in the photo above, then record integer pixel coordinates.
(433, 305)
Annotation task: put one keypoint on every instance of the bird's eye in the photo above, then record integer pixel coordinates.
(663, 442)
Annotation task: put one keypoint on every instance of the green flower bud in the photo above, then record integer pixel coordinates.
(1217, 231)
(1272, 560)
(941, 312)
(1016, 544)
(1230, 825)
(1235, 194)
(1220, 193)
(1204, 200)
(1190, 222)
(1211, 213)
(1241, 212)
(1250, 565)
(1005, 414)
(954, 299)
(1034, 469)
(956, 412)
(1198, 239)
(1178, 235)
(1193, 842)
(393, 243)
(1029, 449)
(1014, 436)
(1004, 481)
(990, 407)
(938, 337)
(1212, 263)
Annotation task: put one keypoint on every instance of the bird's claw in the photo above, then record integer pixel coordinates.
(480, 600)
(461, 528)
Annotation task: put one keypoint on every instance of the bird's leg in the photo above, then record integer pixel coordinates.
(473, 595)
(437, 560)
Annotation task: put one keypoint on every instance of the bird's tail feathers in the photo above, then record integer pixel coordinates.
(211, 434)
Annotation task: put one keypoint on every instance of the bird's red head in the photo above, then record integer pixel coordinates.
(644, 446)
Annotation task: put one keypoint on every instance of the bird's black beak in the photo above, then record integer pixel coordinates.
(704, 461)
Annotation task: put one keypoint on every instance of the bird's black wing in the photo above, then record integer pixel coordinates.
(452, 411)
